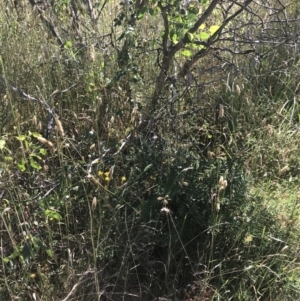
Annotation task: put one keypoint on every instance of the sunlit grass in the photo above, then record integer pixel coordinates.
(100, 208)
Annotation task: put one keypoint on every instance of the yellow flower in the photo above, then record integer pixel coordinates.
(248, 238)
(123, 179)
(100, 173)
(106, 174)
(107, 178)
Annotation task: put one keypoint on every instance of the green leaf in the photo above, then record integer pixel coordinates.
(190, 36)
(118, 20)
(21, 137)
(21, 165)
(213, 29)
(34, 164)
(53, 214)
(68, 44)
(174, 36)
(153, 12)
(2, 143)
(141, 12)
(179, 25)
(49, 252)
(43, 151)
(36, 135)
(194, 46)
(186, 53)
(36, 156)
(37, 241)
(192, 11)
(12, 256)
(8, 159)
(26, 144)
(27, 251)
(38, 244)
(204, 36)
(6, 259)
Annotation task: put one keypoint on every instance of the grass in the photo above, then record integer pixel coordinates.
(198, 202)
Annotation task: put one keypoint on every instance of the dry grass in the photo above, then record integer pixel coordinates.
(99, 201)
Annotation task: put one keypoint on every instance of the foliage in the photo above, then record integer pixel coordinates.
(148, 150)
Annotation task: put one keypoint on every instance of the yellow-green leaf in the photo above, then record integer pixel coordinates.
(21, 165)
(53, 214)
(213, 29)
(36, 135)
(43, 151)
(34, 164)
(36, 156)
(204, 36)
(21, 137)
(186, 53)
(190, 36)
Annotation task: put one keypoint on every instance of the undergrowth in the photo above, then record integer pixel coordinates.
(102, 199)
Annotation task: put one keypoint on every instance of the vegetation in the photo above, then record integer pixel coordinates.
(149, 150)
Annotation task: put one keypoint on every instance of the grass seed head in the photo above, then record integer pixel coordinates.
(221, 111)
(111, 172)
(45, 142)
(34, 120)
(94, 203)
(59, 126)
(92, 53)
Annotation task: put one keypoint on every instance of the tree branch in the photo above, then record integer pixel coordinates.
(213, 39)
(200, 21)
